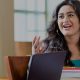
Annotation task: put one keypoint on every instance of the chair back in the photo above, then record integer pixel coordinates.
(17, 67)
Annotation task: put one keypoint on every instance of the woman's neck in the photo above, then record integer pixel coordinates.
(72, 42)
(75, 52)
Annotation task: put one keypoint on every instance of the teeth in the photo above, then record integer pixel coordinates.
(66, 26)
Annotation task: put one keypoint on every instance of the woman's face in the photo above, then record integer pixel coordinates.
(68, 21)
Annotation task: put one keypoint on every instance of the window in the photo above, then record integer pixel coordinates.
(30, 19)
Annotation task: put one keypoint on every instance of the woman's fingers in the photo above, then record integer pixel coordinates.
(36, 42)
(40, 49)
(37, 46)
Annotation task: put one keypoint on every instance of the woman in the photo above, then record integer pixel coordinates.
(63, 33)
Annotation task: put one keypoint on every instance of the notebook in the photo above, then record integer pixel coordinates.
(47, 66)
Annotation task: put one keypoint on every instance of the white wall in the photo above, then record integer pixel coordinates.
(51, 7)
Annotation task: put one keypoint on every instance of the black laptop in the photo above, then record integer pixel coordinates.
(47, 66)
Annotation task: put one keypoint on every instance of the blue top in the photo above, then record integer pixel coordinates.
(76, 63)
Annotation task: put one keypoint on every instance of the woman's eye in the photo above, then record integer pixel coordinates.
(70, 15)
(60, 17)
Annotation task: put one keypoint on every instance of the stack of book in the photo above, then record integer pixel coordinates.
(70, 72)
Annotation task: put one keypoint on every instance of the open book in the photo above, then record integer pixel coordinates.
(69, 72)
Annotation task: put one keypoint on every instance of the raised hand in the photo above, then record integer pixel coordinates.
(37, 46)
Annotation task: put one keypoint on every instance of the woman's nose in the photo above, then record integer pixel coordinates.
(66, 19)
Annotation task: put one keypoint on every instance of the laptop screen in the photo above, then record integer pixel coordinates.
(47, 66)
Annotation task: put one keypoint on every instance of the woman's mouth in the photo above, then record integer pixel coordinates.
(66, 26)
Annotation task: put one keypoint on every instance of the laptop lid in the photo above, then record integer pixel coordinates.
(47, 66)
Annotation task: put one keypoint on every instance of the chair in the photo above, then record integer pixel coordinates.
(17, 67)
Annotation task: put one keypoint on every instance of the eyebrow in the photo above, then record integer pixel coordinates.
(67, 12)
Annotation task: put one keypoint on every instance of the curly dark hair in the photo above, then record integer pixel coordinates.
(55, 40)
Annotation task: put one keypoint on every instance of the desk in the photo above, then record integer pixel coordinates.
(70, 79)
(61, 79)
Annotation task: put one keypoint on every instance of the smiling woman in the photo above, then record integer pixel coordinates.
(67, 20)
(63, 33)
